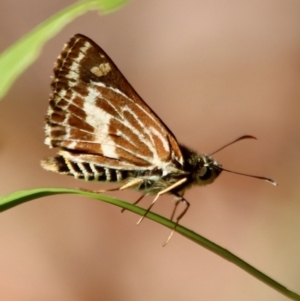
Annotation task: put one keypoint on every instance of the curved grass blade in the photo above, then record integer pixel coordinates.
(20, 197)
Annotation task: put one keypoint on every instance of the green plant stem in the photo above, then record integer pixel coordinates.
(20, 197)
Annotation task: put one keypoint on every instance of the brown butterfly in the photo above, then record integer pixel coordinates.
(106, 132)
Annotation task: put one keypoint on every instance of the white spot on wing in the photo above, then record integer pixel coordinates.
(101, 70)
(48, 140)
(100, 120)
(72, 145)
(62, 93)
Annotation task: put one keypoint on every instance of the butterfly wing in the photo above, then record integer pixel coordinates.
(96, 116)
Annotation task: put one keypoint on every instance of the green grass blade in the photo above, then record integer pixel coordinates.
(15, 59)
(17, 198)
(107, 6)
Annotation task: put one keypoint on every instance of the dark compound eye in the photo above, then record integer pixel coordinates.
(204, 173)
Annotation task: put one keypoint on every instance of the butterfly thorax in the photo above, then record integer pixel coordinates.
(197, 170)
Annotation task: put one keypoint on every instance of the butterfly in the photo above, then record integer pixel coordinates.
(106, 132)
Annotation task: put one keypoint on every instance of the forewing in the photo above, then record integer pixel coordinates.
(96, 116)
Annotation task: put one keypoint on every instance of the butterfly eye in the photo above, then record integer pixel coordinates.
(202, 171)
(205, 174)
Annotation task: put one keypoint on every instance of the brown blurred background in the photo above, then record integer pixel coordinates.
(212, 70)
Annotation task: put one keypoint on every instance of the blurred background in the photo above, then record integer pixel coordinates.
(213, 71)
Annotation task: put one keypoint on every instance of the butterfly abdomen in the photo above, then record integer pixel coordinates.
(152, 181)
(84, 171)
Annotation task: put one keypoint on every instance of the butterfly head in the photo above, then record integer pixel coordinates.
(207, 170)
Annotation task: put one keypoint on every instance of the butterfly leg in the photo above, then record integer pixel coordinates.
(177, 202)
(136, 202)
(168, 189)
(180, 216)
(149, 208)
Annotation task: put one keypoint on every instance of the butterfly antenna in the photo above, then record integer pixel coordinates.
(252, 176)
(236, 140)
(239, 173)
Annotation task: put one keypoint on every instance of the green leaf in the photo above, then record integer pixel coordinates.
(15, 59)
(20, 197)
